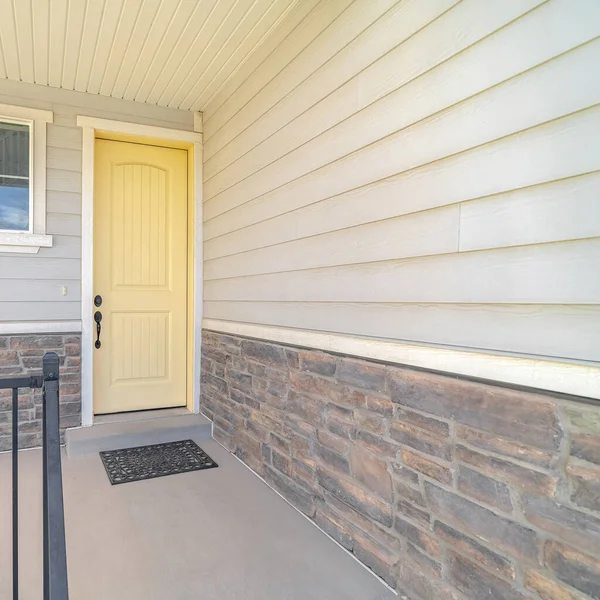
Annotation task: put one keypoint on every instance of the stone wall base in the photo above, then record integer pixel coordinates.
(445, 488)
(21, 355)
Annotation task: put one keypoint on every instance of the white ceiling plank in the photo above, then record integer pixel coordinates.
(91, 28)
(235, 39)
(191, 43)
(160, 25)
(108, 28)
(146, 17)
(8, 36)
(23, 28)
(270, 19)
(155, 65)
(73, 38)
(41, 21)
(168, 53)
(58, 25)
(224, 33)
(120, 46)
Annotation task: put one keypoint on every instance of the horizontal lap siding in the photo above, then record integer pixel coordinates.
(31, 285)
(420, 172)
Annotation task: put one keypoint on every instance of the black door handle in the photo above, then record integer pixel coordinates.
(98, 319)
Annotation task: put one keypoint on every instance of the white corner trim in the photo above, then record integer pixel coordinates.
(579, 380)
(24, 243)
(123, 127)
(87, 275)
(198, 122)
(198, 272)
(89, 126)
(25, 327)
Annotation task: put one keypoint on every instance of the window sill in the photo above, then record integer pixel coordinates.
(24, 243)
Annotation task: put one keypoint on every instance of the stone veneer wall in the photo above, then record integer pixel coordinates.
(446, 488)
(22, 355)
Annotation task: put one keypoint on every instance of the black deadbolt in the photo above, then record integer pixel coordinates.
(98, 300)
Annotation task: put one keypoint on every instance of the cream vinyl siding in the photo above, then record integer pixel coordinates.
(417, 171)
(31, 285)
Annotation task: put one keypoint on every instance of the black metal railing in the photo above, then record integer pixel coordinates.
(55, 556)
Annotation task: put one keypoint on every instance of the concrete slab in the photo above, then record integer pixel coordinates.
(136, 429)
(219, 534)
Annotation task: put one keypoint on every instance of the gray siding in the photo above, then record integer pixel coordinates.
(31, 285)
(418, 171)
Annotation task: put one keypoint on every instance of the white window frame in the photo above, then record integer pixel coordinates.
(29, 242)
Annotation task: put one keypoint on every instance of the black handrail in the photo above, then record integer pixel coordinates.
(55, 557)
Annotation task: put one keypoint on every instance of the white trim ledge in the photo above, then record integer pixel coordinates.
(124, 127)
(578, 380)
(24, 243)
(27, 327)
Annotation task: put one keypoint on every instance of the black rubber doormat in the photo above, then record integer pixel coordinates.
(157, 460)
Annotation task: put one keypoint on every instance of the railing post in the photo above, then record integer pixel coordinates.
(15, 493)
(55, 557)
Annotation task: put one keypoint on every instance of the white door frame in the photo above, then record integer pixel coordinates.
(89, 126)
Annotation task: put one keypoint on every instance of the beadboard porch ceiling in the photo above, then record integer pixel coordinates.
(175, 53)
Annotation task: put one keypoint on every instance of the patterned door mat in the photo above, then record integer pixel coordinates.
(157, 460)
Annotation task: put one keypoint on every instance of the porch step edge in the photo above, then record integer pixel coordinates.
(126, 434)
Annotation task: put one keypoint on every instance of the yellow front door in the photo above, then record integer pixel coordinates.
(140, 272)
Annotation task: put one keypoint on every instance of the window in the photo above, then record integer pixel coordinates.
(23, 179)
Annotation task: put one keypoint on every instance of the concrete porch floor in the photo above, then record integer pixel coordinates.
(219, 534)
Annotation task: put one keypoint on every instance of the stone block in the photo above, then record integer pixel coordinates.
(290, 490)
(368, 421)
(266, 354)
(527, 480)
(362, 374)
(585, 482)
(476, 582)
(427, 466)
(525, 417)
(281, 444)
(380, 405)
(372, 472)
(332, 459)
(9, 358)
(319, 363)
(435, 426)
(425, 563)
(281, 463)
(484, 488)
(568, 524)
(574, 568)
(414, 578)
(377, 444)
(334, 527)
(548, 588)
(355, 496)
(414, 513)
(586, 446)
(503, 533)
(475, 551)
(378, 558)
(417, 536)
(505, 446)
(341, 428)
(305, 407)
(334, 442)
(293, 358)
(419, 440)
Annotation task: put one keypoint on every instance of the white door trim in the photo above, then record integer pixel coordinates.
(89, 126)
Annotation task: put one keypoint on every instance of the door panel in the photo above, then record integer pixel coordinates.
(140, 270)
